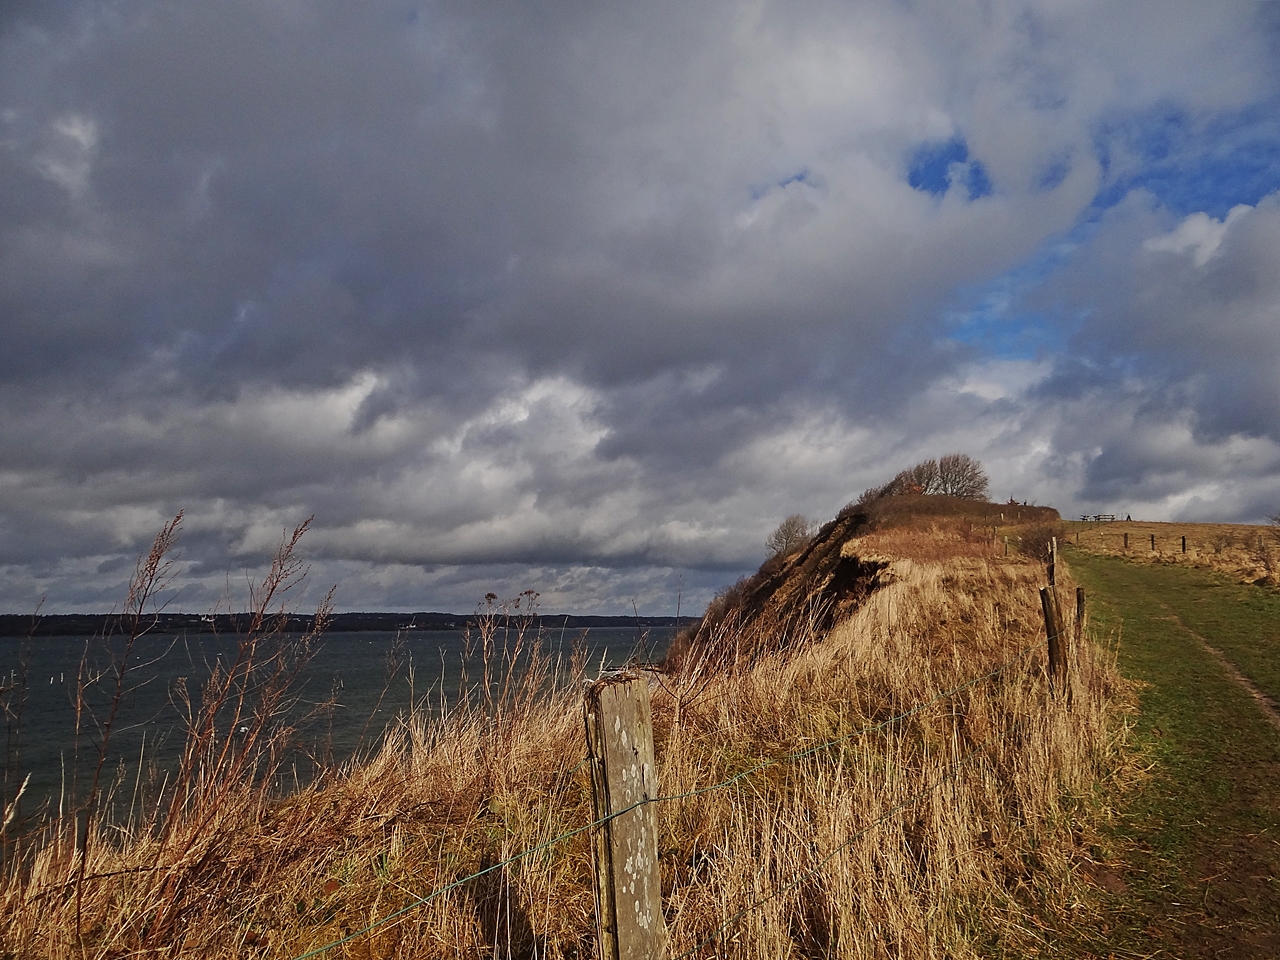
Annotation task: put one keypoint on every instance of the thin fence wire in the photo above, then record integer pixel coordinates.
(699, 791)
(464, 881)
(911, 801)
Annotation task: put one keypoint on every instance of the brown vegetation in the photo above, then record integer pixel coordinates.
(790, 600)
(1241, 551)
(797, 596)
(897, 783)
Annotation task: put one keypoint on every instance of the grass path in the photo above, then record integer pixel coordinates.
(1195, 848)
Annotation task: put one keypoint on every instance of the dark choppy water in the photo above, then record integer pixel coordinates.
(352, 667)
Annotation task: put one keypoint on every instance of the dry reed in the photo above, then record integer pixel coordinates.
(942, 833)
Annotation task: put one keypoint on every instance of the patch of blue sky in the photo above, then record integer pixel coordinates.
(1191, 164)
(1053, 175)
(801, 177)
(994, 330)
(991, 318)
(933, 167)
(978, 182)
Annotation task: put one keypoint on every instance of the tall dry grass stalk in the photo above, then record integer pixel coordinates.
(938, 834)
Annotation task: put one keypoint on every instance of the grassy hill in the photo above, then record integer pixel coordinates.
(860, 756)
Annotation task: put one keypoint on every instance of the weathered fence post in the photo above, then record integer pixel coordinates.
(1079, 612)
(1053, 628)
(1184, 544)
(1153, 543)
(1053, 561)
(629, 916)
(1126, 541)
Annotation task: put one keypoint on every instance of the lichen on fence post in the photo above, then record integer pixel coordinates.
(619, 726)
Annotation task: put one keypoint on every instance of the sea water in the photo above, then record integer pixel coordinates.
(372, 679)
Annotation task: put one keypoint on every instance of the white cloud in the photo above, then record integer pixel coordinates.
(1001, 379)
(67, 158)
(1199, 233)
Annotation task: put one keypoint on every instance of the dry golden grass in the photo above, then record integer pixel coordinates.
(1240, 551)
(935, 543)
(942, 834)
(995, 531)
(959, 866)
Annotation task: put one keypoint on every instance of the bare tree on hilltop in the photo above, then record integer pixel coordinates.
(955, 475)
(925, 475)
(791, 534)
(959, 475)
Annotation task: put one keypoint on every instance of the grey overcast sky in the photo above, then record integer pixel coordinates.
(585, 297)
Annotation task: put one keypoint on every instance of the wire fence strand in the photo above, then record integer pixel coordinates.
(699, 791)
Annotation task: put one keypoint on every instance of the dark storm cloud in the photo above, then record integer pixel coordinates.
(254, 190)
(293, 191)
(597, 291)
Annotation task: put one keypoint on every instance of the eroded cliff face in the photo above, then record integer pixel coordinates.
(789, 601)
(796, 599)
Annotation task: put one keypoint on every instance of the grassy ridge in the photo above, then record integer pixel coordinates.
(914, 810)
(1198, 843)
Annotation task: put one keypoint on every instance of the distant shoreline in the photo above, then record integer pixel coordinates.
(92, 624)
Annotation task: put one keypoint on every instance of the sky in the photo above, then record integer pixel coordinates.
(584, 298)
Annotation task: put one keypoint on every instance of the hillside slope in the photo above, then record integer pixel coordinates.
(803, 594)
(901, 782)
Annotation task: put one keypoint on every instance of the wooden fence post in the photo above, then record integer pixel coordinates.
(1079, 612)
(1053, 561)
(1126, 541)
(1057, 635)
(1184, 544)
(1153, 543)
(629, 916)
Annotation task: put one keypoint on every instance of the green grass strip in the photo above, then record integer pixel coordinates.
(1200, 834)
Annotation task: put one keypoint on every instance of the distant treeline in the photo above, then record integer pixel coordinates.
(91, 624)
